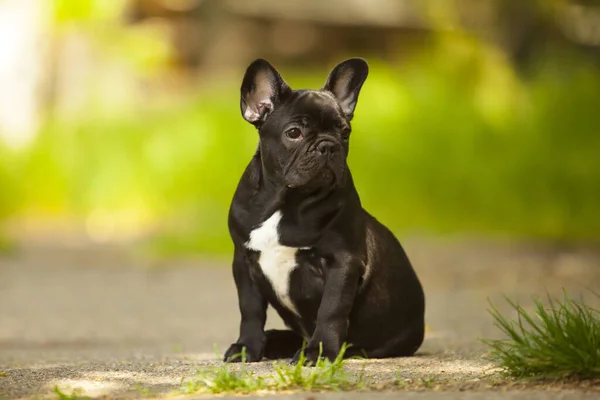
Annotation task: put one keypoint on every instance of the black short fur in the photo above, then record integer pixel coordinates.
(353, 281)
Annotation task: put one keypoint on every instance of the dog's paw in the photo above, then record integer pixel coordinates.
(238, 352)
(310, 356)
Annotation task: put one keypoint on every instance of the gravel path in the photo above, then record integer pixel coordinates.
(81, 315)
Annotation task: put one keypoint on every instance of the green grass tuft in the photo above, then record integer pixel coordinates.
(226, 379)
(75, 395)
(562, 341)
(237, 378)
(325, 375)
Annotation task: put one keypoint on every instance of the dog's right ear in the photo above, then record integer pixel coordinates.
(261, 91)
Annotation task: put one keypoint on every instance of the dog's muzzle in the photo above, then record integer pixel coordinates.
(327, 148)
(321, 163)
(328, 155)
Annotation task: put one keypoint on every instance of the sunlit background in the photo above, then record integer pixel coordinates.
(119, 120)
(476, 139)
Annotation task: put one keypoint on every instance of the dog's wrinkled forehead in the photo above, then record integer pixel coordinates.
(319, 106)
(320, 97)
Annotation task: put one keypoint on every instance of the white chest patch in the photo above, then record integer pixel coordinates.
(276, 261)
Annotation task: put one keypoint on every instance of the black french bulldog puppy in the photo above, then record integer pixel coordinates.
(303, 242)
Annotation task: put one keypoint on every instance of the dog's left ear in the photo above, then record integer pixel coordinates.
(261, 91)
(345, 82)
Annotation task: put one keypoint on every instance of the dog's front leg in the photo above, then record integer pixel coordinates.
(341, 285)
(253, 310)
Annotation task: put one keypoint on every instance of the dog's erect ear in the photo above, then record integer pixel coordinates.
(345, 82)
(261, 91)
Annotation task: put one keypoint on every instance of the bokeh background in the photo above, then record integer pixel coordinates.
(119, 120)
(476, 139)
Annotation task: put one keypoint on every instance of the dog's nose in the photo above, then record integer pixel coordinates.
(326, 147)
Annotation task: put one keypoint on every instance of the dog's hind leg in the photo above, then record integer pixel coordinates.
(404, 345)
(282, 344)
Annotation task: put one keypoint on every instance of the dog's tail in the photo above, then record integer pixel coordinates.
(282, 344)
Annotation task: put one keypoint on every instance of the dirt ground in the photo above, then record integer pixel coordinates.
(90, 316)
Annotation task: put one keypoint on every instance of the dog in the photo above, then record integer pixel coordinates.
(303, 242)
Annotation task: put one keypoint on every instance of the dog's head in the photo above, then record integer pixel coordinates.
(304, 134)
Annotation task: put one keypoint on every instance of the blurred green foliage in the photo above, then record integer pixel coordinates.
(5, 195)
(451, 141)
(8, 193)
(143, 48)
(471, 147)
(67, 11)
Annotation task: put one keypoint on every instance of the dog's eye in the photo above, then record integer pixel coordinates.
(293, 133)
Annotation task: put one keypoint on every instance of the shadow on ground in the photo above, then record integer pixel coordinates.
(90, 316)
